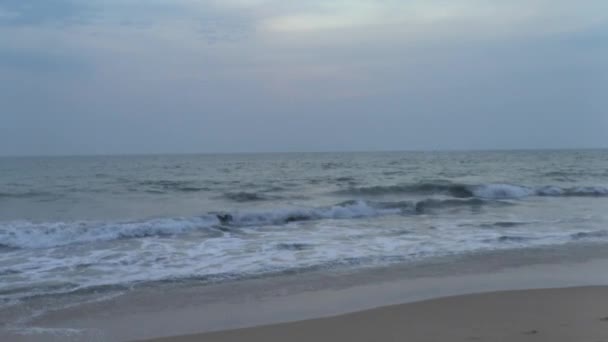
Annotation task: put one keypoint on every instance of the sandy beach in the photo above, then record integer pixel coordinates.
(303, 171)
(568, 314)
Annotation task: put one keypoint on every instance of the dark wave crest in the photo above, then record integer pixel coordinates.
(589, 235)
(294, 246)
(425, 205)
(25, 234)
(446, 188)
(486, 191)
(25, 194)
(165, 186)
(247, 196)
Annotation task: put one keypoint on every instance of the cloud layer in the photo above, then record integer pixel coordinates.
(134, 76)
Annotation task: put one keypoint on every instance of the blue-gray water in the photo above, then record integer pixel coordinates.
(73, 223)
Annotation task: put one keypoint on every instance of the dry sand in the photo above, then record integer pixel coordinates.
(570, 314)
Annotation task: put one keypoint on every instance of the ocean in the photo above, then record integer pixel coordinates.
(69, 225)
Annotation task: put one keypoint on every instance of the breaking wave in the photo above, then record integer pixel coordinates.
(484, 191)
(345, 210)
(247, 196)
(26, 234)
(589, 235)
(445, 188)
(294, 246)
(581, 191)
(427, 204)
(505, 224)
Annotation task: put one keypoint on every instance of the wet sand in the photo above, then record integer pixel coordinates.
(568, 314)
(403, 302)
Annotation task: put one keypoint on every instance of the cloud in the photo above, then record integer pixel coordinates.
(193, 19)
(34, 12)
(417, 19)
(284, 74)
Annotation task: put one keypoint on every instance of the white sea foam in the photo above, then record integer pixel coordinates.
(349, 210)
(227, 217)
(60, 257)
(26, 234)
(588, 191)
(509, 191)
(259, 251)
(501, 191)
(487, 191)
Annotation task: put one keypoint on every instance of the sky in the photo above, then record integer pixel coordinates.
(209, 76)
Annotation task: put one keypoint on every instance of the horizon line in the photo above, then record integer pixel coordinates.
(142, 154)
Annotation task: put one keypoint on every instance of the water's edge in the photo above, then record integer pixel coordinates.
(170, 309)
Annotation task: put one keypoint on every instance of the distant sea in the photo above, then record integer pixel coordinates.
(74, 224)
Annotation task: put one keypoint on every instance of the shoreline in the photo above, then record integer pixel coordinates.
(183, 309)
(562, 314)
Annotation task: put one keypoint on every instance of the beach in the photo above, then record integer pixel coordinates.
(568, 314)
(550, 292)
(124, 248)
(285, 171)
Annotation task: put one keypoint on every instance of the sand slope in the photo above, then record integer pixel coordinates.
(572, 315)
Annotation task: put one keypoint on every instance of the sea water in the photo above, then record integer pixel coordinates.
(74, 224)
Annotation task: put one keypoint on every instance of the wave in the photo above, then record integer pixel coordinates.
(446, 188)
(572, 237)
(353, 209)
(581, 191)
(294, 246)
(8, 272)
(505, 224)
(423, 206)
(501, 191)
(163, 186)
(574, 174)
(26, 234)
(345, 179)
(589, 235)
(247, 196)
(345, 210)
(25, 194)
(483, 191)
(512, 239)
(516, 191)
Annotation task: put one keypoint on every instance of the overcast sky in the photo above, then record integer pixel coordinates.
(158, 76)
